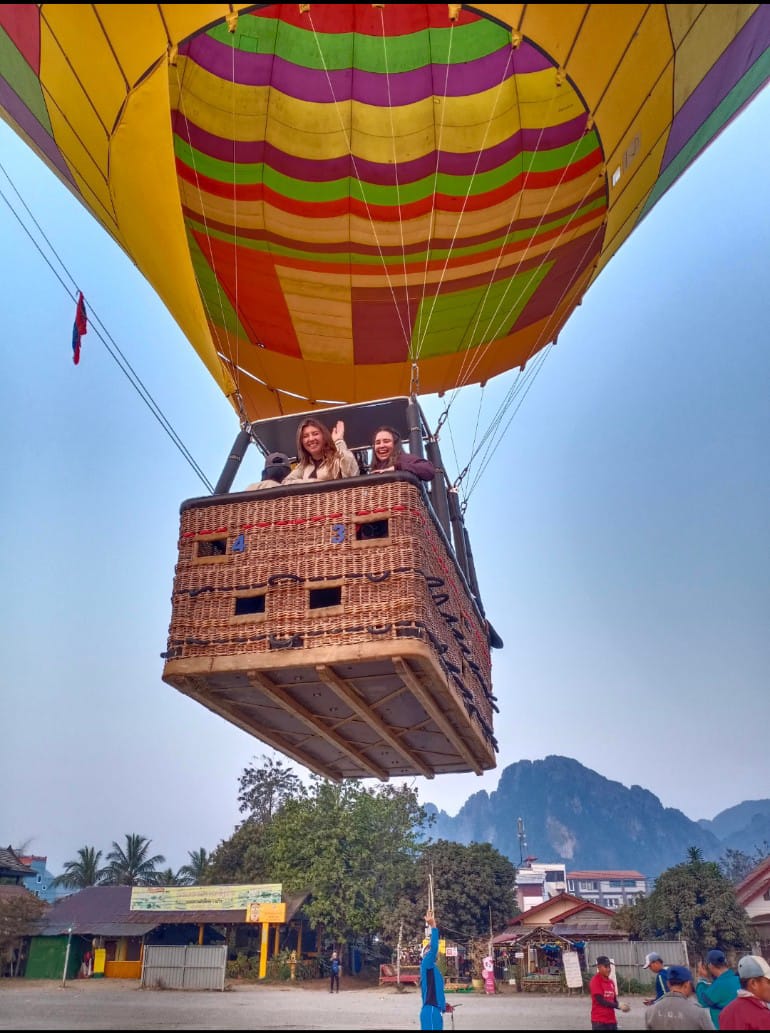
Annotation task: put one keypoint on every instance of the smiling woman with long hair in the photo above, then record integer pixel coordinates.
(388, 454)
(322, 454)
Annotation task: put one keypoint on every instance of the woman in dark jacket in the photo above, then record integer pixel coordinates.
(388, 455)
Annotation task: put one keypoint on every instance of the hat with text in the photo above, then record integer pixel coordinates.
(752, 966)
(650, 958)
(716, 957)
(678, 975)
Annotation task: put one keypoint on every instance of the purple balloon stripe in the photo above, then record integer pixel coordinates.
(375, 88)
(331, 169)
(38, 134)
(737, 59)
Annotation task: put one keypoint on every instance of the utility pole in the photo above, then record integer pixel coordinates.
(522, 840)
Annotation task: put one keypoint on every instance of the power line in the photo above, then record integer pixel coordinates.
(101, 331)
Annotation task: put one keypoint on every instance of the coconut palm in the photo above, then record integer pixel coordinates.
(168, 877)
(85, 871)
(196, 869)
(132, 866)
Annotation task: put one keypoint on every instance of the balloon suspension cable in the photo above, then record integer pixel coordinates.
(441, 421)
(414, 383)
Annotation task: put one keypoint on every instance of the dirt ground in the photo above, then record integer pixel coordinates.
(122, 1004)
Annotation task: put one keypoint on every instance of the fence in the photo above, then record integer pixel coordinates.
(629, 956)
(185, 968)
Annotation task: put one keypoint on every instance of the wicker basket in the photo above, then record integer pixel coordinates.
(332, 622)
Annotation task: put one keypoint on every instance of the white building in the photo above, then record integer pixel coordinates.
(611, 889)
(536, 883)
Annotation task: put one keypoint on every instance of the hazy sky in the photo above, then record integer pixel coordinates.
(620, 534)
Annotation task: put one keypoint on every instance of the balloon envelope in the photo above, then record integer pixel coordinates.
(340, 202)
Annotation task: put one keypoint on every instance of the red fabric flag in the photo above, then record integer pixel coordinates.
(80, 328)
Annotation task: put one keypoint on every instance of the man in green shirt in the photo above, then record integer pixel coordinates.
(717, 985)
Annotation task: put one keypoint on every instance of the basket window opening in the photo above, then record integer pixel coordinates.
(249, 604)
(372, 529)
(211, 547)
(322, 598)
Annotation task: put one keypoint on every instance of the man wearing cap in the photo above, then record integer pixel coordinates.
(654, 963)
(751, 1008)
(277, 467)
(604, 996)
(717, 984)
(676, 1008)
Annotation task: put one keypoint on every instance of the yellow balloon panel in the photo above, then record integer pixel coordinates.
(325, 196)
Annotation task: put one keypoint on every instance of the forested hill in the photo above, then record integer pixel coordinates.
(575, 815)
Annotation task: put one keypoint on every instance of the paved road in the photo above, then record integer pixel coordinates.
(122, 1004)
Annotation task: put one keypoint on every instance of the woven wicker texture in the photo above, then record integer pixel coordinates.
(275, 584)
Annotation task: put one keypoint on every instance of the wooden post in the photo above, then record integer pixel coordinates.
(263, 949)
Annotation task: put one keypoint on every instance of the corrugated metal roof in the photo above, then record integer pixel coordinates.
(11, 865)
(94, 909)
(581, 931)
(10, 889)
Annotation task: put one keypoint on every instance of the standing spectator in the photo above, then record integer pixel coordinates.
(676, 1009)
(431, 981)
(654, 963)
(717, 984)
(334, 973)
(751, 1008)
(604, 996)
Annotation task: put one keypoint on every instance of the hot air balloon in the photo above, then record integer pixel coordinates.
(346, 207)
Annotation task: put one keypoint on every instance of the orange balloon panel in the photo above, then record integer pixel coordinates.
(328, 195)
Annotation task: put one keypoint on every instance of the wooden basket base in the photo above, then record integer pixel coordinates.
(347, 712)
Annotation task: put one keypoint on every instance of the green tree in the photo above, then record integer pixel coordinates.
(354, 848)
(82, 872)
(241, 858)
(132, 865)
(694, 901)
(168, 877)
(473, 887)
(195, 871)
(262, 791)
(736, 865)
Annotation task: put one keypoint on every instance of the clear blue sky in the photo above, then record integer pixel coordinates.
(620, 534)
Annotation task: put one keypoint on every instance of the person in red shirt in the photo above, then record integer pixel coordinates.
(604, 996)
(751, 1008)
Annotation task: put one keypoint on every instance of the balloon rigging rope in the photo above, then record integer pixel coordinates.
(468, 366)
(494, 435)
(462, 211)
(223, 347)
(405, 327)
(349, 143)
(432, 222)
(100, 329)
(236, 360)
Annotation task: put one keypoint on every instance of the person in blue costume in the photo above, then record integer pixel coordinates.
(431, 981)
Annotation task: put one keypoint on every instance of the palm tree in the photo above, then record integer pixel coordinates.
(132, 866)
(196, 869)
(85, 871)
(168, 877)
